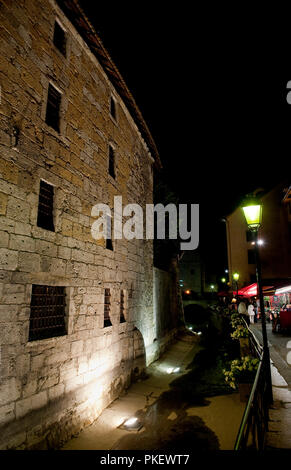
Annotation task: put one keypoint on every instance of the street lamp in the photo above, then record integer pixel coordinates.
(223, 280)
(236, 278)
(252, 209)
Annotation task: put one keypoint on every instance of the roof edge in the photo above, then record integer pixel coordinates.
(74, 12)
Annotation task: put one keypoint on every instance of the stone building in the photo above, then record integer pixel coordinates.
(275, 236)
(77, 316)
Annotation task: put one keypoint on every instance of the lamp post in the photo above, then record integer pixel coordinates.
(252, 209)
(236, 278)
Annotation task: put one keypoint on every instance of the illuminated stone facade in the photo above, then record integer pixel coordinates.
(51, 388)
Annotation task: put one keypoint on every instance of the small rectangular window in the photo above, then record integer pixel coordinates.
(45, 218)
(107, 302)
(111, 168)
(251, 257)
(60, 38)
(109, 244)
(122, 306)
(113, 108)
(47, 312)
(52, 117)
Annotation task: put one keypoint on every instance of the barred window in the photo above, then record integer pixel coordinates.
(111, 168)
(60, 38)
(113, 108)
(122, 306)
(45, 218)
(52, 117)
(107, 303)
(47, 312)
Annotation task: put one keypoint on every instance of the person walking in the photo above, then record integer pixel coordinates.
(255, 311)
(242, 309)
(251, 312)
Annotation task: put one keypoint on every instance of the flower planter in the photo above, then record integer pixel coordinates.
(244, 391)
(244, 347)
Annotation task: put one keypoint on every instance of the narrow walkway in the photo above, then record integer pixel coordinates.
(279, 435)
(167, 421)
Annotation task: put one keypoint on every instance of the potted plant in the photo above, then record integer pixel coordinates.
(242, 334)
(241, 375)
(236, 320)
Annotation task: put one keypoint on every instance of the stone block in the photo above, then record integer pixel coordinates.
(7, 413)
(64, 252)
(10, 391)
(56, 391)
(21, 243)
(45, 247)
(4, 239)
(8, 259)
(76, 348)
(17, 209)
(22, 229)
(29, 262)
(3, 203)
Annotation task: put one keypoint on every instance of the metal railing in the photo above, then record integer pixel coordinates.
(254, 424)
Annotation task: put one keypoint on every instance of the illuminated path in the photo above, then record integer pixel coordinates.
(170, 417)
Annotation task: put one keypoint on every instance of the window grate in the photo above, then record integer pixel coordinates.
(111, 168)
(53, 108)
(60, 38)
(107, 302)
(122, 306)
(45, 217)
(47, 312)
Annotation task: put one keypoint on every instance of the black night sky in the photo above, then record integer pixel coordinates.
(211, 85)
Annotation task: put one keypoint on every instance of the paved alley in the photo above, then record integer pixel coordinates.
(169, 418)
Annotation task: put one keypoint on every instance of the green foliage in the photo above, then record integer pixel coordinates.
(237, 320)
(240, 332)
(241, 371)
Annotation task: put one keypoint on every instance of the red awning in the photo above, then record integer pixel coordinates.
(250, 291)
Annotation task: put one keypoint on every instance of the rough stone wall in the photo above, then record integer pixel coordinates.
(51, 388)
(167, 310)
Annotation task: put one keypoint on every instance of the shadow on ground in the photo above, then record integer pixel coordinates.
(166, 424)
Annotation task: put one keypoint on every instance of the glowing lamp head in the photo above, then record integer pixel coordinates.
(253, 213)
(223, 279)
(236, 276)
(187, 292)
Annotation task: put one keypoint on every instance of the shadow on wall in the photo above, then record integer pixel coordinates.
(139, 355)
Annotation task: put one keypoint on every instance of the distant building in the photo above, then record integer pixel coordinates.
(275, 236)
(191, 272)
